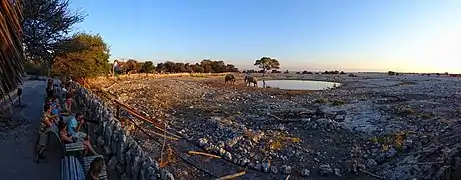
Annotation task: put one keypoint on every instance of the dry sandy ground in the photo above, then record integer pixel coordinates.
(373, 125)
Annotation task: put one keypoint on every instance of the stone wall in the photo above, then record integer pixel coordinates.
(123, 152)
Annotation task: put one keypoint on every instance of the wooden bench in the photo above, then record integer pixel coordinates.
(68, 147)
(86, 163)
(71, 169)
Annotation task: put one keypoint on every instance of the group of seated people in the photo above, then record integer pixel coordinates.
(69, 128)
(53, 91)
(70, 131)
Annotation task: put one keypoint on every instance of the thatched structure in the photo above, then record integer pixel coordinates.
(12, 56)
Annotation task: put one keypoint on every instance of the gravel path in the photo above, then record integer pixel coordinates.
(17, 146)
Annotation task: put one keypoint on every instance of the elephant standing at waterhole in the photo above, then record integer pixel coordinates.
(251, 79)
(230, 78)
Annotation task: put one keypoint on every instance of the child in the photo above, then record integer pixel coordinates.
(67, 138)
(96, 167)
(45, 126)
(68, 103)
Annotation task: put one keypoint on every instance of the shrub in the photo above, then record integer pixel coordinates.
(407, 111)
(352, 75)
(427, 116)
(406, 83)
(337, 103)
(198, 75)
(321, 100)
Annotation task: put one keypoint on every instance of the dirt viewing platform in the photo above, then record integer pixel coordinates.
(373, 126)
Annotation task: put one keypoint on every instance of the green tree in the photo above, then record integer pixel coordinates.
(85, 56)
(169, 66)
(139, 66)
(267, 63)
(46, 24)
(131, 66)
(206, 65)
(198, 68)
(160, 68)
(231, 68)
(148, 67)
(179, 68)
(218, 66)
(188, 67)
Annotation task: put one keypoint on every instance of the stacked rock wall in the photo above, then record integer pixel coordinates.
(125, 155)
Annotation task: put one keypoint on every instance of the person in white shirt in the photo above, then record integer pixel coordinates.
(115, 68)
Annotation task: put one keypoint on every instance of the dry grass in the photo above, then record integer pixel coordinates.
(169, 158)
(280, 140)
(403, 83)
(406, 111)
(396, 140)
(427, 116)
(321, 100)
(255, 136)
(337, 103)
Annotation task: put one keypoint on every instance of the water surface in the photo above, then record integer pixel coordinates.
(299, 84)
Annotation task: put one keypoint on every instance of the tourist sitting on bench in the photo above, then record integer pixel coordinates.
(55, 107)
(75, 125)
(67, 138)
(68, 103)
(81, 121)
(52, 115)
(45, 125)
(49, 91)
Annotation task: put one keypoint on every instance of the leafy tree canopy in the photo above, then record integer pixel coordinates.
(267, 63)
(148, 67)
(85, 56)
(46, 23)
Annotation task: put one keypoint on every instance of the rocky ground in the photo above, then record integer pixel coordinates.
(372, 126)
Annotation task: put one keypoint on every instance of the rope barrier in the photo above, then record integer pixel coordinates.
(155, 139)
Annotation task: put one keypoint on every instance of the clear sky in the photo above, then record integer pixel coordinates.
(350, 35)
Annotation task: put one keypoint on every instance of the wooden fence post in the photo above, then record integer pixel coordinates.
(117, 115)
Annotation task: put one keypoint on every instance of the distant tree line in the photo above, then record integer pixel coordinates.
(326, 72)
(261, 71)
(205, 66)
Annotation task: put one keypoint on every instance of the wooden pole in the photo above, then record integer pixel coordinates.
(202, 153)
(119, 105)
(117, 115)
(232, 176)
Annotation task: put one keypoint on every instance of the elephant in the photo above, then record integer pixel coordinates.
(251, 79)
(229, 77)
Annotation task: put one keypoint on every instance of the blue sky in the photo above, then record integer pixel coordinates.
(352, 35)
